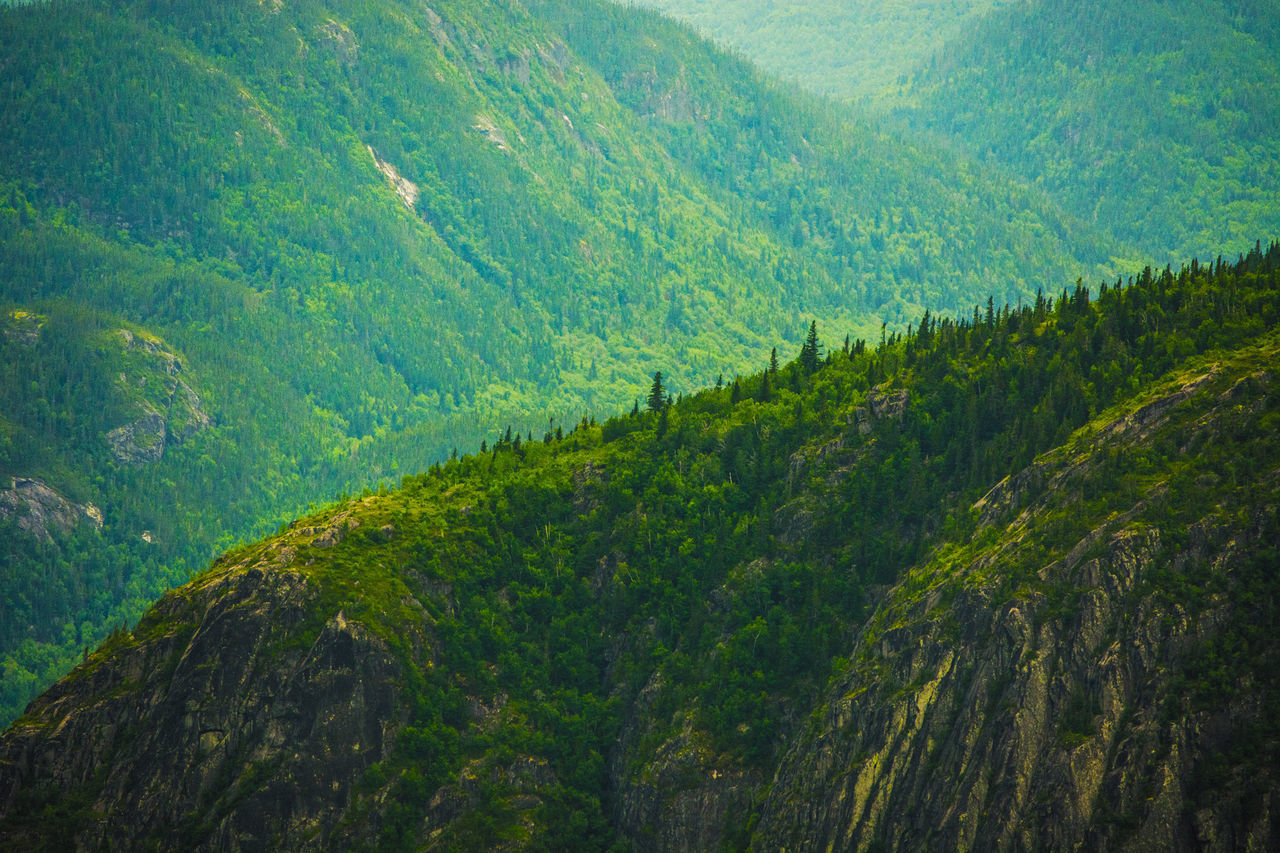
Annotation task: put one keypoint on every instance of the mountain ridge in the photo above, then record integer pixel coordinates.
(661, 629)
(217, 178)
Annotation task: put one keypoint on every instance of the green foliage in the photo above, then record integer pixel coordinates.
(840, 49)
(810, 352)
(708, 566)
(703, 565)
(1158, 121)
(231, 181)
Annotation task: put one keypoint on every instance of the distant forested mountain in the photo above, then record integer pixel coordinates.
(1156, 121)
(256, 254)
(1159, 122)
(838, 48)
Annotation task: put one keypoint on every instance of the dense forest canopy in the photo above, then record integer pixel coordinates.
(1156, 121)
(845, 50)
(640, 602)
(364, 234)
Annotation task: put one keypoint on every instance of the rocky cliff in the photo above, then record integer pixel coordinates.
(592, 645)
(1021, 696)
(198, 730)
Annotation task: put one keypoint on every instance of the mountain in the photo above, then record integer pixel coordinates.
(844, 50)
(352, 238)
(1159, 122)
(1001, 582)
(1156, 121)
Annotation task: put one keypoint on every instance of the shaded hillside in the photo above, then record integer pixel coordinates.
(1154, 121)
(845, 50)
(1022, 564)
(1159, 122)
(370, 231)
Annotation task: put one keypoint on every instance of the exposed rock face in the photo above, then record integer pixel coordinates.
(881, 403)
(141, 441)
(338, 38)
(1060, 721)
(242, 746)
(406, 189)
(587, 483)
(41, 511)
(171, 409)
(23, 327)
(688, 802)
(1050, 717)
(884, 403)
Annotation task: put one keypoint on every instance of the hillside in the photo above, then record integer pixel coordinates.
(1020, 568)
(1159, 122)
(373, 233)
(844, 50)
(1155, 121)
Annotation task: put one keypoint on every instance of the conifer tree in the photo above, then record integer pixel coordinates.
(809, 352)
(657, 394)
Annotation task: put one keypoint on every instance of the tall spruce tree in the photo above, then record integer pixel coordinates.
(657, 394)
(809, 352)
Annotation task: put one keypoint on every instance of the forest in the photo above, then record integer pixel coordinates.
(696, 572)
(1154, 121)
(369, 232)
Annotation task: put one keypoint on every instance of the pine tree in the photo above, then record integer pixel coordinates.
(657, 394)
(925, 335)
(809, 355)
(773, 361)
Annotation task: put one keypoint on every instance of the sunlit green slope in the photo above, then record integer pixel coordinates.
(766, 615)
(370, 233)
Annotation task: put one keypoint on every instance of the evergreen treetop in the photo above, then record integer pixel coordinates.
(657, 394)
(809, 355)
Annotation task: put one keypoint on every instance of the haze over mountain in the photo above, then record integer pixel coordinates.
(1157, 121)
(845, 50)
(258, 254)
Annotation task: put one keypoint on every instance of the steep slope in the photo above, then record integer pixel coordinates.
(845, 50)
(1094, 670)
(994, 561)
(90, 406)
(372, 231)
(1155, 121)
